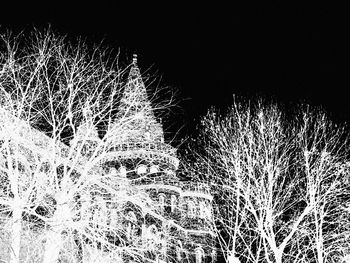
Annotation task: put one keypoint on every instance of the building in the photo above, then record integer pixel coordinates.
(150, 164)
(176, 223)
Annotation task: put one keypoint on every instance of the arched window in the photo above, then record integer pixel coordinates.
(122, 171)
(142, 169)
(179, 251)
(154, 169)
(131, 225)
(191, 211)
(161, 199)
(113, 172)
(169, 172)
(199, 255)
(208, 212)
(173, 201)
(152, 231)
(202, 212)
(132, 217)
(151, 237)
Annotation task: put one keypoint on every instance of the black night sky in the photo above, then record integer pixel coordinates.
(289, 52)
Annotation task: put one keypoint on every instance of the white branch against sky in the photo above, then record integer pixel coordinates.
(54, 193)
(281, 185)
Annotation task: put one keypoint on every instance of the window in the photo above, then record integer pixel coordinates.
(113, 172)
(161, 199)
(208, 212)
(132, 217)
(122, 171)
(191, 212)
(130, 231)
(202, 211)
(142, 169)
(173, 203)
(151, 237)
(169, 172)
(179, 251)
(199, 255)
(152, 231)
(154, 169)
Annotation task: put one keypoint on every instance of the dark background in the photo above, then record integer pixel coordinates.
(289, 52)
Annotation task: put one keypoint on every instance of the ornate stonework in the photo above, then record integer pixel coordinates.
(175, 222)
(186, 234)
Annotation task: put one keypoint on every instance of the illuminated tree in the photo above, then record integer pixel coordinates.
(59, 121)
(280, 184)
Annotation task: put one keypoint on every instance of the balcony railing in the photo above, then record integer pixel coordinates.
(188, 187)
(160, 151)
(149, 146)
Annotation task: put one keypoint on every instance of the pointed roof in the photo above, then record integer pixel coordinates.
(135, 99)
(136, 133)
(136, 109)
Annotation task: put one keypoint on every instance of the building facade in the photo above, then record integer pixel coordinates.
(171, 219)
(179, 228)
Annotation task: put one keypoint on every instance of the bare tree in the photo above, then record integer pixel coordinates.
(55, 196)
(280, 184)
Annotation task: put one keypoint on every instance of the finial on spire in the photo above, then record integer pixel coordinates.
(134, 59)
(134, 69)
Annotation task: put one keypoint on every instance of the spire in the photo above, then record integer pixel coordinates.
(135, 105)
(135, 97)
(134, 73)
(136, 133)
(134, 59)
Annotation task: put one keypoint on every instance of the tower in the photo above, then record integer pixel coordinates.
(167, 220)
(139, 154)
(180, 227)
(170, 219)
(141, 135)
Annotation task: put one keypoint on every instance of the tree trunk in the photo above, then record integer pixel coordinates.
(16, 230)
(278, 257)
(319, 235)
(52, 246)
